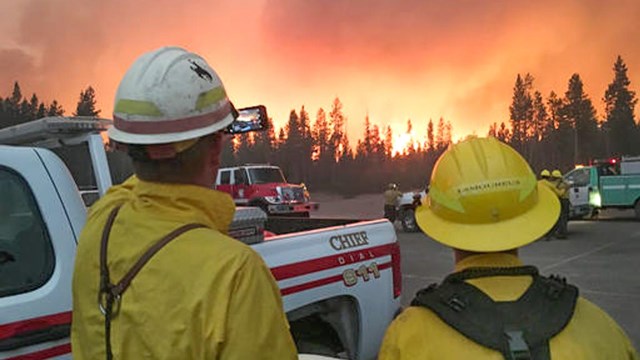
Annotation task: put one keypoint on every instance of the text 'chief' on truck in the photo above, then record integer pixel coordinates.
(264, 186)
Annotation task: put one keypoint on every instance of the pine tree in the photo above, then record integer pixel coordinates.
(540, 117)
(561, 138)
(580, 113)
(377, 145)
(55, 109)
(321, 134)
(364, 147)
(12, 105)
(87, 103)
(493, 130)
(263, 144)
(504, 134)
(620, 124)
(521, 111)
(440, 135)
(337, 119)
(431, 143)
(42, 111)
(306, 144)
(388, 142)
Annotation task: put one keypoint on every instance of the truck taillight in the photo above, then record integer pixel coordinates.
(395, 267)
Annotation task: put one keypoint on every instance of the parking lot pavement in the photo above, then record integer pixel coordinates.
(600, 257)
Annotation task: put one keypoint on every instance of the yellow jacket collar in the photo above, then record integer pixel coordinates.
(190, 203)
(488, 260)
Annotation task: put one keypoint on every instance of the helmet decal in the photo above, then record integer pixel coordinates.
(200, 71)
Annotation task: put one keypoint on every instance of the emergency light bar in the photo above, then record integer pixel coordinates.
(55, 129)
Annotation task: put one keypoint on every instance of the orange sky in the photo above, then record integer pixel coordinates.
(395, 60)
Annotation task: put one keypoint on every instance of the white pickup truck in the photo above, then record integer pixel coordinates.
(340, 279)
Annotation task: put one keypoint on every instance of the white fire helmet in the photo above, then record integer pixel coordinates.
(169, 95)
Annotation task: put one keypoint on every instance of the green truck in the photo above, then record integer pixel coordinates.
(611, 183)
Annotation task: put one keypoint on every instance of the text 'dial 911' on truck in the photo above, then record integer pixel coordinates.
(340, 279)
(264, 186)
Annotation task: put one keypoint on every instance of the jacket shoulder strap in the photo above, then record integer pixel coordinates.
(518, 329)
(124, 283)
(110, 293)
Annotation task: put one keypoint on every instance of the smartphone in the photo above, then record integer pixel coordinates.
(253, 118)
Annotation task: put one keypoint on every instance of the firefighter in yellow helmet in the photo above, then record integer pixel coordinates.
(547, 181)
(484, 203)
(545, 174)
(202, 295)
(562, 190)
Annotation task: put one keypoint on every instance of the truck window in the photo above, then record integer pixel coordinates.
(225, 177)
(266, 175)
(78, 161)
(26, 254)
(239, 177)
(578, 177)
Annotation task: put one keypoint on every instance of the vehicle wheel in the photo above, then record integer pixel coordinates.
(408, 220)
(637, 209)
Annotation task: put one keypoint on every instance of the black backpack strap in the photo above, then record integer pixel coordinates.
(110, 293)
(518, 329)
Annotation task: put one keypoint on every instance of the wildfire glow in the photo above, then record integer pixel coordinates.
(402, 143)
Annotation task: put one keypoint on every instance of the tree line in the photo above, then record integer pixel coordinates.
(552, 132)
(17, 109)
(563, 131)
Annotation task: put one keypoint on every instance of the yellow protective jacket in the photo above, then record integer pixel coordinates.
(563, 188)
(418, 333)
(202, 296)
(559, 187)
(391, 196)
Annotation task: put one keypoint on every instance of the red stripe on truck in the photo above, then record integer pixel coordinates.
(33, 324)
(330, 262)
(45, 354)
(321, 282)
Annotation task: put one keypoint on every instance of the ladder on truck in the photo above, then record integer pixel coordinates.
(59, 131)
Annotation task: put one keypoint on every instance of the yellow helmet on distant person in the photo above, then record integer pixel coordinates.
(392, 186)
(484, 197)
(545, 173)
(556, 174)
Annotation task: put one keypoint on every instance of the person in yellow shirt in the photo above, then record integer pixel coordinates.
(391, 196)
(485, 203)
(562, 190)
(547, 181)
(156, 276)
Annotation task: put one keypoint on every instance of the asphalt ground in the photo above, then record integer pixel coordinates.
(601, 257)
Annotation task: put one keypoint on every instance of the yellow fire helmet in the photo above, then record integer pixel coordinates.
(545, 173)
(556, 174)
(484, 197)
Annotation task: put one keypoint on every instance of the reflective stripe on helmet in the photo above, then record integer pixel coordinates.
(210, 97)
(177, 125)
(137, 107)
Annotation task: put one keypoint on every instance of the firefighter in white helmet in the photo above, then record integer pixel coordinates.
(202, 294)
(484, 203)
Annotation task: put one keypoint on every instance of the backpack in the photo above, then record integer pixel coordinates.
(519, 329)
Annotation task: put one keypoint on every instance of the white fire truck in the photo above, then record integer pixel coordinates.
(340, 282)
